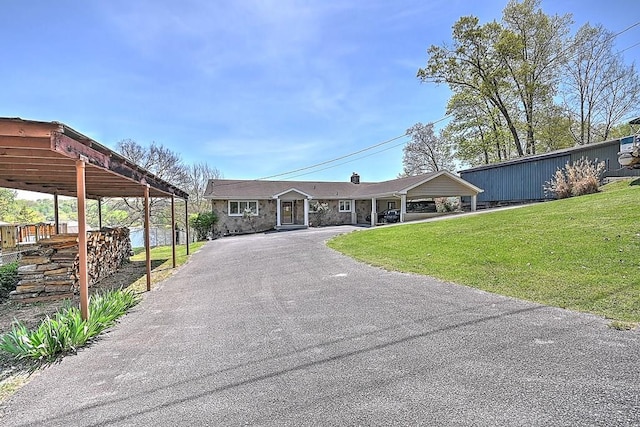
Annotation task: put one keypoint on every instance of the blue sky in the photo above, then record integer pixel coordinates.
(254, 88)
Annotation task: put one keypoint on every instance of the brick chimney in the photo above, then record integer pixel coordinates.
(355, 178)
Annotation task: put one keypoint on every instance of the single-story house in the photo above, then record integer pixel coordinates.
(244, 206)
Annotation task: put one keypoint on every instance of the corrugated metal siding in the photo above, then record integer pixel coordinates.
(608, 154)
(515, 182)
(440, 186)
(525, 180)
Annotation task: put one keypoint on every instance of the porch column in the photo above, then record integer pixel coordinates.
(403, 206)
(278, 220)
(374, 213)
(306, 212)
(354, 213)
(474, 201)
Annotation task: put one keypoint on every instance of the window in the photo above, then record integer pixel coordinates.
(239, 207)
(344, 205)
(391, 205)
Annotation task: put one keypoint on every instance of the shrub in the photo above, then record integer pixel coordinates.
(203, 224)
(577, 179)
(8, 278)
(66, 330)
(447, 204)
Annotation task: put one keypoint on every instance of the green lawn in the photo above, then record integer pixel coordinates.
(161, 259)
(581, 253)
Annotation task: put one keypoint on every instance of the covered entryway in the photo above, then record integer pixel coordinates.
(287, 213)
(292, 209)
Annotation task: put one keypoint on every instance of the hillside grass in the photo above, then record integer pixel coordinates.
(161, 260)
(580, 253)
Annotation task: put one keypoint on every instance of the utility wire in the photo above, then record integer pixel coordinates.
(371, 147)
(349, 161)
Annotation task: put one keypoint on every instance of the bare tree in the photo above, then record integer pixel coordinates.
(599, 89)
(199, 176)
(426, 152)
(163, 163)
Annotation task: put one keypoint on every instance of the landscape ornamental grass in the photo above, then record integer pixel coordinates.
(66, 331)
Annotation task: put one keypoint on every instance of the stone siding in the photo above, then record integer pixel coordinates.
(227, 225)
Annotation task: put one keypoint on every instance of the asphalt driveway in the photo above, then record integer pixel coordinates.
(277, 329)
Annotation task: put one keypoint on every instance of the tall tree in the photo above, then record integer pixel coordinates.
(531, 48)
(426, 152)
(473, 63)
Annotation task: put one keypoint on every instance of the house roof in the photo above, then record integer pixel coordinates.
(551, 154)
(41, 156)
(223, 189)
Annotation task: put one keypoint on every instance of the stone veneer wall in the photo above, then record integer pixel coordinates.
(50, 271)
(264, 221)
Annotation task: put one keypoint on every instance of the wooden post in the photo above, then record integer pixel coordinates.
(99, 214)
(82, 239)
(56, 213)
(147, 238)
(186, 221)
(173, 229)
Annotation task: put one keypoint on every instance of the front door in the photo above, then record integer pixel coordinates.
(287, 212)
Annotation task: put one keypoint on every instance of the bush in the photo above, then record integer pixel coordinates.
(66, 330)
(8, 278)
(577, 179)
(203, 224)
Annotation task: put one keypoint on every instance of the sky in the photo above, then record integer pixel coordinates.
(255, 88)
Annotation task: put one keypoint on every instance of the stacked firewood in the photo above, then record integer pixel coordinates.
(51, 270)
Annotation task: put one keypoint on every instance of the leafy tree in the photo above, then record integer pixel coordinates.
(203, 223)
(512, 66)
(26, 215)
(426, 152)
(531, 49)
(476, 130)
(473, 64)
(7, 203)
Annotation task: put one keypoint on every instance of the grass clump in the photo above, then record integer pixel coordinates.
(8, 278)
(578, 253)
(66, 331)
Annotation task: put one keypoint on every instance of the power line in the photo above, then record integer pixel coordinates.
(348, 161)
(336, 159)
(630, 47)
(371, 147)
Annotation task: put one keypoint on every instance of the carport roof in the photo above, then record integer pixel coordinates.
(41, 156)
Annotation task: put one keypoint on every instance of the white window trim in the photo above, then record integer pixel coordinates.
(341, 204)
(241, 212)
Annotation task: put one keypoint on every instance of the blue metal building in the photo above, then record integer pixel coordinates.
(522, 180)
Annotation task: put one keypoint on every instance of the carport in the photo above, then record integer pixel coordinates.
(52, 158)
